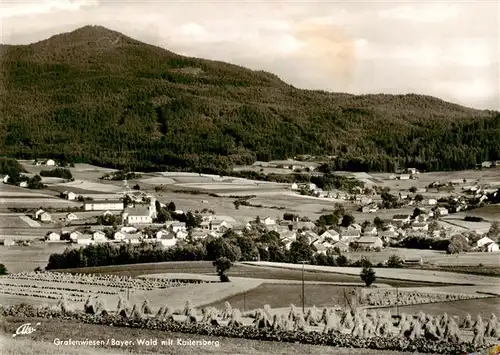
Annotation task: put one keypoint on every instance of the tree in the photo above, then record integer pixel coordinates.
(171, 207)
(136, 187)
(413, 189)
(222, 265)
(347, 220)
(494, 231)
(419, 198)
(342, 260)
(300, 250)
(339, 210)
(237, 204)
(378, 222)
(368, 275)
(3, 269)
(193, 220)
(394, 261)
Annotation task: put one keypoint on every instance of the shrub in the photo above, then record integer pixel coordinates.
(222, 264)
(395, 261)
(3, 270)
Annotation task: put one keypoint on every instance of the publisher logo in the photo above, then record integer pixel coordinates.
(25, 329)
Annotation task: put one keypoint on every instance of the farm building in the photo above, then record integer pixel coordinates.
(370, 242)
(86, 239)
(7, 242)
(442, 211)
(71, 196)
(370, 230)
(294, 186)
(268, 221)
(119, 235)
(38, 213)
(371, 208)
(330, 234)
(387, 235)
(415, 261)
(289, 235)
(45, 217)
(484, 241)
(167, 240)
(198, 234)
(109, 205)
(52, 237)
(175, 226)
(322, 247)
(50, 162)
(71, 217)
(356, 226)
(412, 171)
(184, 234)
(137, 215)
(287, 243)
(342, 246)
(431, 202)
(401, 218)
(133, 238)
(404, 177)
(491, 247)
(23, 184)
(6, 179)
(75, 236)
(350, 234)
(219, 225)
(99, 236)
(420, 226)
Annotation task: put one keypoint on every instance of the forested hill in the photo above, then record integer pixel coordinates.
(99, 96)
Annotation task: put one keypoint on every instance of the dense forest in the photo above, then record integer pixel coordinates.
(129, 104)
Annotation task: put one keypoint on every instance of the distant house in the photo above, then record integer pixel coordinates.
(268, 221)
(294, 186)
(99, 236)
(45, 217)
(286, 243)
(182, 235)
(370, 242)
(491, 247)
(322, 247)
(442, 211)
(23, 184)
(404, 177)
(105, 205)
(370, 230)
(133, 238)
(305, 225)
(311, 236)
(412, 171)
(38, 213)
(431, 202)
(420, 226)
(176, 226)
(75, 236)
(136, 215)
(168, 240)
(330, 234)
(366, 200)
(290, 235)
(356, 226)
(218, 225)
(69, 195)
(6, 179)
(349, 234)
(387, 235)
(52, 237)
(71, 217)
(86, 239)
(484, 241)
(401, 218)
(50, 162)
(370, 208)
(7, 242)
(342, 246)
(119, 235)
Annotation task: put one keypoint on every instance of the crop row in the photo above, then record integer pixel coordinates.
(11, 285)
(117, 281)
(349, 328)
(391, 298)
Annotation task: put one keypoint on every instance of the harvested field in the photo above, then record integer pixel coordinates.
(430, 257)
(400, 274)
(238, 270)
(44, 337)
(282, 295)
(27, 258)
(12, 222)
(489, 213)
(93, 186)
(36, 202)
(30, 222)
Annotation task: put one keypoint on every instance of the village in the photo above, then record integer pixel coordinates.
(353, 223)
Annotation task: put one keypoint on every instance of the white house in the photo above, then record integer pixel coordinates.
(431, 202)
(350, 234)
(6, 179)
(71, 217)
(442, 211)
(182, 234)
(168, 240)
(23, 184)
(99, 236)
(175, 226)
(370, 230)
(492, 247)
(38, 213)
(366, 200)
(75, 236)
(286, 242)
(71, 196)
(322, 247)
(137, 215)
(119, 235)
(133, 238)
(404, 177)
(50, 162)
(111, 205)
(86, 239)
(294, 186)
(370, 242)
(7, 242)
(219, 226)
(483, 241)
(45, 217)
(343, 246)
(268, 221)
(356, 226)
(52, 237)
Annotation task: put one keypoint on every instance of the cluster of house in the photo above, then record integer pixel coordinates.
(288, 164)
(409, 173)
(313, 190)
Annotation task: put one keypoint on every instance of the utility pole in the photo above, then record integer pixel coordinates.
(244, 301)
(303, 284)
(397, 301)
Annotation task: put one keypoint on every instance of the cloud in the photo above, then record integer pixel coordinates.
(447, 49)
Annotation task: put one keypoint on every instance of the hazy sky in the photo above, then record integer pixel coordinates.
(449, 49)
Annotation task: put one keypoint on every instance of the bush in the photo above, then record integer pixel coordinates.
(395, 261)
(57, 172)
(222, 264)
(3, 270)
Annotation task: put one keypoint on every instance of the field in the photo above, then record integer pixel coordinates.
(399, 274)
(27, 258)
(41, 341)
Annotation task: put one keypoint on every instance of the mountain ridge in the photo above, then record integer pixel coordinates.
(143, 105)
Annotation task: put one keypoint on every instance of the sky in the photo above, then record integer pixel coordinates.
(448, 49)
